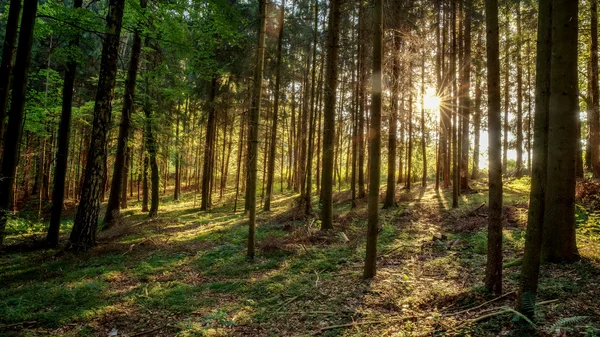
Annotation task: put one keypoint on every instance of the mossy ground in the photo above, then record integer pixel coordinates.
(186, 273)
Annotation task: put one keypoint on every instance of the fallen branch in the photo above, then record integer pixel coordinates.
(481, 305)
(2, 327)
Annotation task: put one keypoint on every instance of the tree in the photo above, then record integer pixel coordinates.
(466, 98)
(62, 153)
(273, 143)
(8, 50)
(15, 122)
(331, 83)
(83, 234)
(253, 120)
(113, 208)
(375, 144)
(594, 117)
(519, 171)
(558, 243)
(493, 272)
(390, 192)
(535, 216)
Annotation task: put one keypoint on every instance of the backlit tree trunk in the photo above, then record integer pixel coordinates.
(493, 273)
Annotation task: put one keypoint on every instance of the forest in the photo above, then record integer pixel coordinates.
(299, 168)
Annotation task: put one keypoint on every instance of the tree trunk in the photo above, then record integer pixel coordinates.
(530, 268)
(10, 38)
(209, 147)
(375, 144)
(390, 192)
(62, 153)
(466, 98)
(519, 171)
(331, 83)
(493, 272)
(594, 118)
(83, 235)
(113, 208)
(559, 242)
(273, 149)
(253, 120)
(15, 124)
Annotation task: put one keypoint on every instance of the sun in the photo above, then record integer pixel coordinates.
(432, 101)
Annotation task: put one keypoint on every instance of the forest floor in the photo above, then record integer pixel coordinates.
(186, 274)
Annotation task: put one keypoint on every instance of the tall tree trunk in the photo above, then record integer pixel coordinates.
(374, 144)
(477, 120)
(466, 98)
(506, 91)
(307, 200)
(8, 50)
(423, 144)
(113, 208)
(559, 242)
(530, 268)
(331, 83)
(272, 150)
(594, 118)
(455, 110)
(362, 100)
(390, 192)
(519, 172)
(493, 272)
(209, 148)
(62, 153)
(83, 234)
(15, 124)
(253, 120)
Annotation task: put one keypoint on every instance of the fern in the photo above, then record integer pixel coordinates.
(527, 300)
(568, 321)
(520, 315)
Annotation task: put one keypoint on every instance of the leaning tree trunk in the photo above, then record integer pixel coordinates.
(558, 243)
(331, 83)
(493, 273)
(113, 208)
(62, 153)
(375, 144)
(83, 234)
(253, 120)
(8, 50)
(530, 268)
(273, 143)
(15, 124)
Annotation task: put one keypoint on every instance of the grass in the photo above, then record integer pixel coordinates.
(186, 273)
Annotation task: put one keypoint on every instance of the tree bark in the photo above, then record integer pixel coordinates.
(493, 273)
(530, 268)
(113, 208)
(62, 153)
(8, 51)
(331, 83)
(375, 144)
(253, 120)
(273, 143)
(594, 118)
(559, 242)
(390, 192)
(15, 124)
